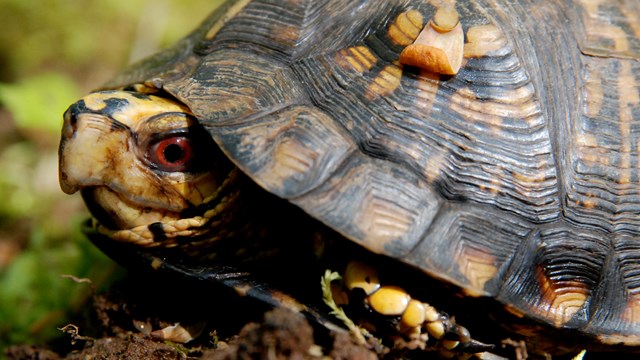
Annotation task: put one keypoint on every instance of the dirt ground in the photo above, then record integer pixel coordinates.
(124, 323)
(121, 322)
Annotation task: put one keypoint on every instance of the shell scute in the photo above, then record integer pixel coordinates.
(291, 151)
(517, 178)
(385, 208)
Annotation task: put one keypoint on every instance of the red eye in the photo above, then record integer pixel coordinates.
(171, 154)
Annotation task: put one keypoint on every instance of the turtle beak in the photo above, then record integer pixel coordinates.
(99, 150)
(86, 139)
(69, 184)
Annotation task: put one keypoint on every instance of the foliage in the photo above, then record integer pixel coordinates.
(51, 52)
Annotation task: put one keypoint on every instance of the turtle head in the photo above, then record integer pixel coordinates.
(146, 168)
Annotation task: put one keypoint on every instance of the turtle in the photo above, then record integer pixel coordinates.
(490, 146)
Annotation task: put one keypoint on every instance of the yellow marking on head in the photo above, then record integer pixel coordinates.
(142, 236)
(482, 40)
(406, 28)
(95, 102)
(197, 189)
(129, 215)
(137, 110)
(387, 81)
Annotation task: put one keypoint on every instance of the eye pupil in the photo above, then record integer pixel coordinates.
(173, 153)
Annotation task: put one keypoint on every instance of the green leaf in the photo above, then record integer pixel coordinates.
(37, 103)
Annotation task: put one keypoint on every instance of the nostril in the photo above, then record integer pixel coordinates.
(71, 118)
(70, 124)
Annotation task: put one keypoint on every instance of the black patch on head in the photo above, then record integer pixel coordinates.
(158, 231)
(114, 105)
(74, 110)
(139, 95)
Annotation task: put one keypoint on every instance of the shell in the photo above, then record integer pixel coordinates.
(518, 178)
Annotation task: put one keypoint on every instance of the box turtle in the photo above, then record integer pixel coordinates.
(491, 145)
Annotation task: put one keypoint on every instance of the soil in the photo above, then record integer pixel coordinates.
(224, 321)
(122, 322)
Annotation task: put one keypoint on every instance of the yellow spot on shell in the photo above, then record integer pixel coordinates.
(594, 92)
(482, 40)
(530, 178)
(478, 267)
(360, 58)
(387, 81)
(360, 275)
(445, 19)
(632, 312)
(560, 300)
(382, 220)
(589, 203)
(406, 27)
(389, 300)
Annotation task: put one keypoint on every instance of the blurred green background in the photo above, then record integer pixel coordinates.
(51, 53)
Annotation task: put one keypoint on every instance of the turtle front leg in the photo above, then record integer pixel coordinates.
(392, 314)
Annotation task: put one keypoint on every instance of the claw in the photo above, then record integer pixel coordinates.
(414, 324)
(473, 346)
